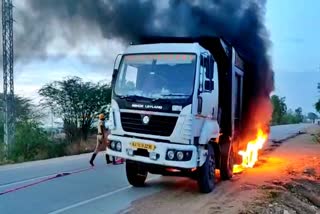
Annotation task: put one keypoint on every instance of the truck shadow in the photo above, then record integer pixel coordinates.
(182, 184)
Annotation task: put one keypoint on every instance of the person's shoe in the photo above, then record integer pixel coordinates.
(91, 163)
(92, 159)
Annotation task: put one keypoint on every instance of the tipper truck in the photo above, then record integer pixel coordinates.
(177, 108)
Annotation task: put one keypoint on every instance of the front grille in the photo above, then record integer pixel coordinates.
(158, 125)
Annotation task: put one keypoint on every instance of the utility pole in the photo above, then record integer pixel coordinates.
(8, 76)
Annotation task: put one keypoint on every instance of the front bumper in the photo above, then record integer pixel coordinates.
(161, 149)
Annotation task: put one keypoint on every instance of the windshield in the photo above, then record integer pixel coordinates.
(156, 76)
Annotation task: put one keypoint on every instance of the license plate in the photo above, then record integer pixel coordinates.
(137, 145)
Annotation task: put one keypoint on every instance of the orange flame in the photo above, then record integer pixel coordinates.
(250, 156)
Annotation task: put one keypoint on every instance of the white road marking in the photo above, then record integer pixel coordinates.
(89, 200)
(95, 198)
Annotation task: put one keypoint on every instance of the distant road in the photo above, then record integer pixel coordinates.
(284, 131)
(102, 189)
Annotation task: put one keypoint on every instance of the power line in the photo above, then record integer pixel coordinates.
(8, 75)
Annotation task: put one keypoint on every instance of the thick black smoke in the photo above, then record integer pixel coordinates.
(40, 22)
(239, 21)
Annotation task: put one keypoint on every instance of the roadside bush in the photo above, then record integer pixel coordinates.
(57, 149)
(289, 118)
(31, 142)
(1, 152)
(316, 137)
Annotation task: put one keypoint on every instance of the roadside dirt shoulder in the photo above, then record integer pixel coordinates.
(285, 180)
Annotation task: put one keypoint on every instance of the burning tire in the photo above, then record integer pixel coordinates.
(136, 173)
(206, 173)
(227, 161)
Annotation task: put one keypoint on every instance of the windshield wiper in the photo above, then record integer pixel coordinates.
(174, 95)
(133, 98)
(161, 100)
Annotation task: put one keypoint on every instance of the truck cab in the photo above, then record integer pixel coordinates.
(168, 110)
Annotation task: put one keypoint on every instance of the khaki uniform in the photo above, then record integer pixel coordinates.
(102, 143)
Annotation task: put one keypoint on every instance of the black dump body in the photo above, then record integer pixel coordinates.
(223, 56)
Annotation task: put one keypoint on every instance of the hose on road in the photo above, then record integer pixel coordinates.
(59, 175)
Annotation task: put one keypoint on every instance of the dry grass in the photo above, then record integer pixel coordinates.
(316, 137)
(81, 146)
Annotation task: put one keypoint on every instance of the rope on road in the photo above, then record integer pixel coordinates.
(59, 175)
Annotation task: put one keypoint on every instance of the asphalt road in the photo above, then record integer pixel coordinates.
(102, 189)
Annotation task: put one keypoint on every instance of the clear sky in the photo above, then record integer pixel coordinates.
(294, 27)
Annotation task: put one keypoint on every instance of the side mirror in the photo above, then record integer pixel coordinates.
(210, 68)
(209, 85)
(200, 101)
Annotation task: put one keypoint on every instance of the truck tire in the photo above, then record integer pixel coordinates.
(136, 173)
(227, 161)
(206, 173)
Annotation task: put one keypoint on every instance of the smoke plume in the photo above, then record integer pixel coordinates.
(239, 21)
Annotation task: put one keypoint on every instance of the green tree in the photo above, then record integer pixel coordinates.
(31, 142)
(312, 116)
(299, 115)
(24, 109)
(30, 138)
(289, 118)
(317, 104)
(77, 103)
(279, 109)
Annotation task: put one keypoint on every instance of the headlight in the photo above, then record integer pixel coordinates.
(170, 154)
(180, 155)
(118, 146)
(113, 145)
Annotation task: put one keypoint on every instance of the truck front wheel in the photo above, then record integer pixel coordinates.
(206, 173)
(136, 173)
